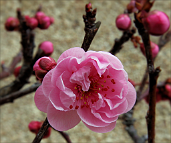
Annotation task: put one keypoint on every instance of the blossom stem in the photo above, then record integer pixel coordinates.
(153, 75)
(41, 132)
(119, 42)
(11, 97)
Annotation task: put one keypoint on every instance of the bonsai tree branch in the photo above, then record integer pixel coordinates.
(91, 27)
(153, 75)
(11, 97)
(124, 38)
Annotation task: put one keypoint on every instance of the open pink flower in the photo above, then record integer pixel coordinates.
(89, 86)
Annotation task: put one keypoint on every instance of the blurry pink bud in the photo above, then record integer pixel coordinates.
(52, 20)
(42, 66)
(34, 127)
(156, 22)
(123, 22)
(168, 89)
(132, 82)
(47, 48)
(39, 15)
(12, 24)
(45, 22)
(131, 7)
(17, 71)
(31, 22)
(154, 49)
(88, 7)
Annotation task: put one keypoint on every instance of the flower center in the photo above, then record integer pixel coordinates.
(99, 85)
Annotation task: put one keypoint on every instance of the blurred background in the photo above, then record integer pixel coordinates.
(68, 32)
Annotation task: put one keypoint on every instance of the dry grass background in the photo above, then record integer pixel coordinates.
(68, 32)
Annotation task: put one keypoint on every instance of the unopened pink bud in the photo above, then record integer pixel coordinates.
(17, 71)
(31, 22)
(154, 49)
(12, 24)
(42, 66)
(88, 7)
(123, 22)
(47, 48)
(34, 127)
(168, 89)
(156, 22)
(39, 15)
(131, 6)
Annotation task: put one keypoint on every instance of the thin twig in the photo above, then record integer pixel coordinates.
(65, 136)
(6, 71)
(153, 75)
(124, 38)
(41, 132)
(11, 97)
(91, 28)
(129, 122)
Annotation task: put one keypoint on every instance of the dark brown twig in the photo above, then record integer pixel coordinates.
(6, 71)
(41, 132)
(124, 38)
(153, 75)
(65, 136)
(91, 28)
(11, 97)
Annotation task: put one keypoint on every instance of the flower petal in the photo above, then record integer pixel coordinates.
(41, 100)
(55, 99)
(72, 52)
(62, 120)
(105, 129)
(91, 119)
(46, 84)
(131, 96)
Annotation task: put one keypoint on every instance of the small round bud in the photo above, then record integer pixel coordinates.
(39, 15)
(17, 71)
(31, 22)
(168, 89)
(154, 49)
(131, 7)
(34, 127)
(12, 24)
(47, 48)
(156, 22)
(42, 66)
(123, 22)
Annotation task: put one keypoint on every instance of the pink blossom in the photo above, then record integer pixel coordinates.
(89, 86)
(123, 22)
(156, 22)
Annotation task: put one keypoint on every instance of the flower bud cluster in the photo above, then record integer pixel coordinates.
(34, 127)
(44, 21)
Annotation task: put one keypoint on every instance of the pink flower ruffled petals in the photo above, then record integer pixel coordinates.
(88, 86)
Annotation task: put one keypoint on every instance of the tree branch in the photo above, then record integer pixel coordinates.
(119, 42)
(153, 75)
(11, 97)
(91, 28)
